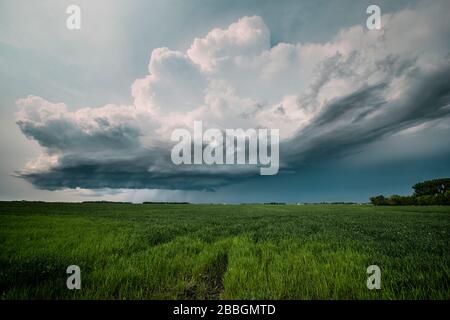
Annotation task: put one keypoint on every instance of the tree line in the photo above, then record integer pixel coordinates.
(430, 192)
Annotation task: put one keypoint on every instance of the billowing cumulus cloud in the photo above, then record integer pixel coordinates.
(86, 130)
(248, 37)
(327, 99)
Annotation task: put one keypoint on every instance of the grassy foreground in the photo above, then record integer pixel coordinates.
(223, 251)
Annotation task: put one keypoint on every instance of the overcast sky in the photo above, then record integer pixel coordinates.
(87, 114)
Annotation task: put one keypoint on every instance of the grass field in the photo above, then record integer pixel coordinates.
(130, 251)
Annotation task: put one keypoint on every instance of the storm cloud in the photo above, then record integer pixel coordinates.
(328, 100)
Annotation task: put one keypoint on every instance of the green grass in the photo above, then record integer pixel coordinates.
(223, 251)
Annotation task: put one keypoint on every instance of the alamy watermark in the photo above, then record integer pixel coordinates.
(231, 146)
(73, 21)
(373, 22)
(374, 280)
(74, 280)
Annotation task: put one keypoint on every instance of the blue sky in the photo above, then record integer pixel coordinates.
(364, 112)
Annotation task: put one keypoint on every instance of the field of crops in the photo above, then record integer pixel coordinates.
(151, 251)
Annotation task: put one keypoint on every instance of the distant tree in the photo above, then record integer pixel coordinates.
(432, 187)
(431, 192)
(447, 198)
(409, 201)
(379, 200)
(395, 200)
(425, 200)
(443, 199)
